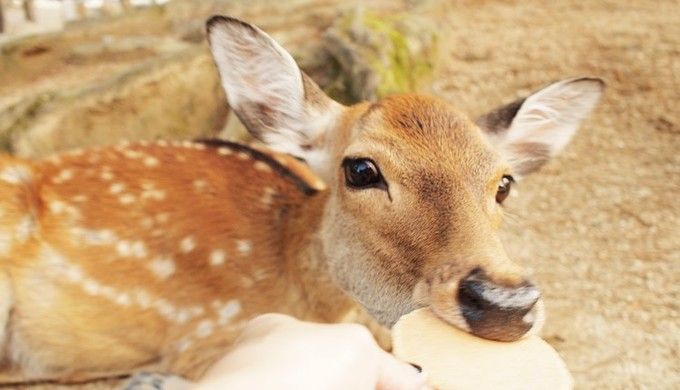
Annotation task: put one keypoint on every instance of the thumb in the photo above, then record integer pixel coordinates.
(396, 375)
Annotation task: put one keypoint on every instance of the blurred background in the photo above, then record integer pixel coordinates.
(600, 226)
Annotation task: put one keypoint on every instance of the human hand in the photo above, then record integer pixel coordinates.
(276, 351)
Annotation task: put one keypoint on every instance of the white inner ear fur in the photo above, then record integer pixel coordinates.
(254, 69)
(267, 91)
(552, 115)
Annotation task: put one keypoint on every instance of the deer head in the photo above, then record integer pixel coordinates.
(415, 188)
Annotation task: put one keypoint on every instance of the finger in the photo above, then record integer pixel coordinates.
(397, 375)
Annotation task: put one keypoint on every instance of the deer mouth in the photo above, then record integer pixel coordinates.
(484, 309)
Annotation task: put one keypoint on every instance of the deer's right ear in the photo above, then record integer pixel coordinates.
(276, 102)
(531, 130)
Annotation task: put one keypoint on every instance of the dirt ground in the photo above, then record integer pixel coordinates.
(599, 226)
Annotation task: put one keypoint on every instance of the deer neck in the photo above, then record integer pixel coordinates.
(311, 283)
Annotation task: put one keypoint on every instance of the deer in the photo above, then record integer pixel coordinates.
(152, 255)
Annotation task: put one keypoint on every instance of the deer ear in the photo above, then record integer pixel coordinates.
(531, 130)
(276, 102)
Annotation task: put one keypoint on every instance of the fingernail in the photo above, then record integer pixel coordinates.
(417, 367)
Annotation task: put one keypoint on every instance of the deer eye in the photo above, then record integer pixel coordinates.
(504, 188)
(362, 173)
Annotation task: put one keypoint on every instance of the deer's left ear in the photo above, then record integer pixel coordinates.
(531, 130)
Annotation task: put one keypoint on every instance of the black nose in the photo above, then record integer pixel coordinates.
(496, 312)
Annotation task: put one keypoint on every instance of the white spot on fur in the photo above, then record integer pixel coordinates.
(124, 248)
(57, 206)
(132, 154)
(182, 316)
(80, 198)
(74, 274)
(183, 345)
(25, 228)
(117, 188)
(268, 196)
(126, 199)
(153, 194)
(123, 299)
(187, 244)
(162, 143)
(263, 167)
(138, 249)
(108, 292)
(163, 217)
(224, 151)
(162, 267)
(228, 311)
(165, 309)
(15, 175)
(91, 287)
(106, 175)
(244, 246)
(243, 155)
(94, 237)
(200, 185)
(217, 257)
(150, 161)
(205, 328)
(63, 176)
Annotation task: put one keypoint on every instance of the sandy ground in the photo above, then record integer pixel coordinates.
(600, 226)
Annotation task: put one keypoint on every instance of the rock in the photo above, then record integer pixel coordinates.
(109, 44)
(165, 85)
(175, 97)
(371, 56)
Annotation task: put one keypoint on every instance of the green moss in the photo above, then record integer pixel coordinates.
(402, 58)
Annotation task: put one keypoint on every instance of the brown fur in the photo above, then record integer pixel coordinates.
(57, 330)
(110, 304)
(442, 176)
(96, 326)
